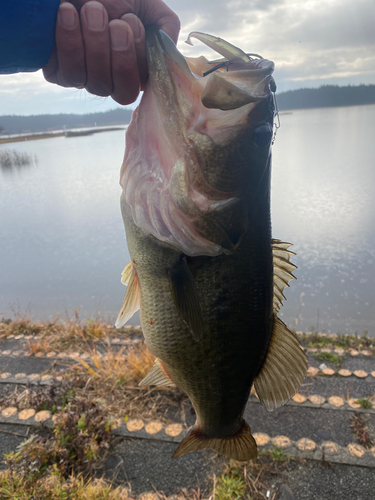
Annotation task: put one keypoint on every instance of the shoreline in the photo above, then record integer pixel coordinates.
(51, 135)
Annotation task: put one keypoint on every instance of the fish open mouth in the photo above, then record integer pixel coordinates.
(233, 81)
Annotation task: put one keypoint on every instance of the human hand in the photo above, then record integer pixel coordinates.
(101, 46)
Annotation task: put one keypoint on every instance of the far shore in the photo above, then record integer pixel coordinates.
(52, 135)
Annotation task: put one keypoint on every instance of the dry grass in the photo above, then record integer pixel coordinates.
(340, 341)
(117, 367)
(113, 378)
(38, 346)
(15, 486)
(65, 336)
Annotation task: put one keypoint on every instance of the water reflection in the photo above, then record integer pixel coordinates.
(11, 159)
(323, 179)
(63, 242)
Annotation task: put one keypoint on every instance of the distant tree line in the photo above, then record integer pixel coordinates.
(42, 123)
(325, 96)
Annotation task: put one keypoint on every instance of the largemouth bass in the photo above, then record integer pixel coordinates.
(204, 272)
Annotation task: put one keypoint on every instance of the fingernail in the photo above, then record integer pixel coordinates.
(95, 16)
(67, 16)
(135, 25)
(119, 36)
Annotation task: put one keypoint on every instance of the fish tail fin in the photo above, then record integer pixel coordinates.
(241, 446)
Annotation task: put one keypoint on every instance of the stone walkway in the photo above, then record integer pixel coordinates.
(314, 425)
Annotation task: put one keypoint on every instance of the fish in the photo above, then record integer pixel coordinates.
(205, 272)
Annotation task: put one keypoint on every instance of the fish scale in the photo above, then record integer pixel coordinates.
(209, 291)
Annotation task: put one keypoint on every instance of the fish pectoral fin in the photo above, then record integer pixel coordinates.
(185, 297)
(132, 299)
(157, 376)
(241, 446)
(284, 368)
(224, 224)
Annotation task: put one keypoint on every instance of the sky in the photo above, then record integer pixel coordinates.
(312, 43)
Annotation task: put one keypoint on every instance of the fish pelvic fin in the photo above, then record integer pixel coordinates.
(132, 299)
(157, 376)
(284, 368)
(241, 446)
(282, 271)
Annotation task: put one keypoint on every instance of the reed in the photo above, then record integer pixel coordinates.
(12, 158)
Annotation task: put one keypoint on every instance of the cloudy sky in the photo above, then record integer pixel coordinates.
(312, 43)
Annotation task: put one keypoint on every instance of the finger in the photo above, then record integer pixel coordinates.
(139, 45)
(125, 74)
(66, 66)
(148, 11)
(157, 12)
(50, 69)
(94, 22)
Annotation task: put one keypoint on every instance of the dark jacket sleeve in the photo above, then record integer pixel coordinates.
(27, 34)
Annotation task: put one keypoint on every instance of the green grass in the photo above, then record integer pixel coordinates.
(366, 403)
(329, 356)
(231, 485)
(278, 454)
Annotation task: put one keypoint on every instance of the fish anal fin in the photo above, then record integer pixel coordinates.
(241, 446)
(185, 297)
(132, 299)
(284, 368)
(157, 376)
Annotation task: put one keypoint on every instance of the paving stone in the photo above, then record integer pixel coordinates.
(316, 399)
(297, 422)
(261, 439)
(353, 403)
(336, 401)
(173, 430)
(305, 444)
(160, 471)
(153, 427)
(9, 412)
(26, 414)
(135, 425)
(42, 416)
(299, 398)
(281, 441)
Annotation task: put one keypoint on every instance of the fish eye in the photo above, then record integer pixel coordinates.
(262, 135)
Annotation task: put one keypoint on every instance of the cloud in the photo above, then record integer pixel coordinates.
(312, 43)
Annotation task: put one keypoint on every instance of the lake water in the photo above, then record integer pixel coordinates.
(63, 247)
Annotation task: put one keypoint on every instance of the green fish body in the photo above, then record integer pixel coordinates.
(205, 272)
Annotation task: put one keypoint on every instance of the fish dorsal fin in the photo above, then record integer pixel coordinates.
(283, 370)
(157, 376)
(282, 270)
(185, 297)
(241, 446)
(132, 299)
